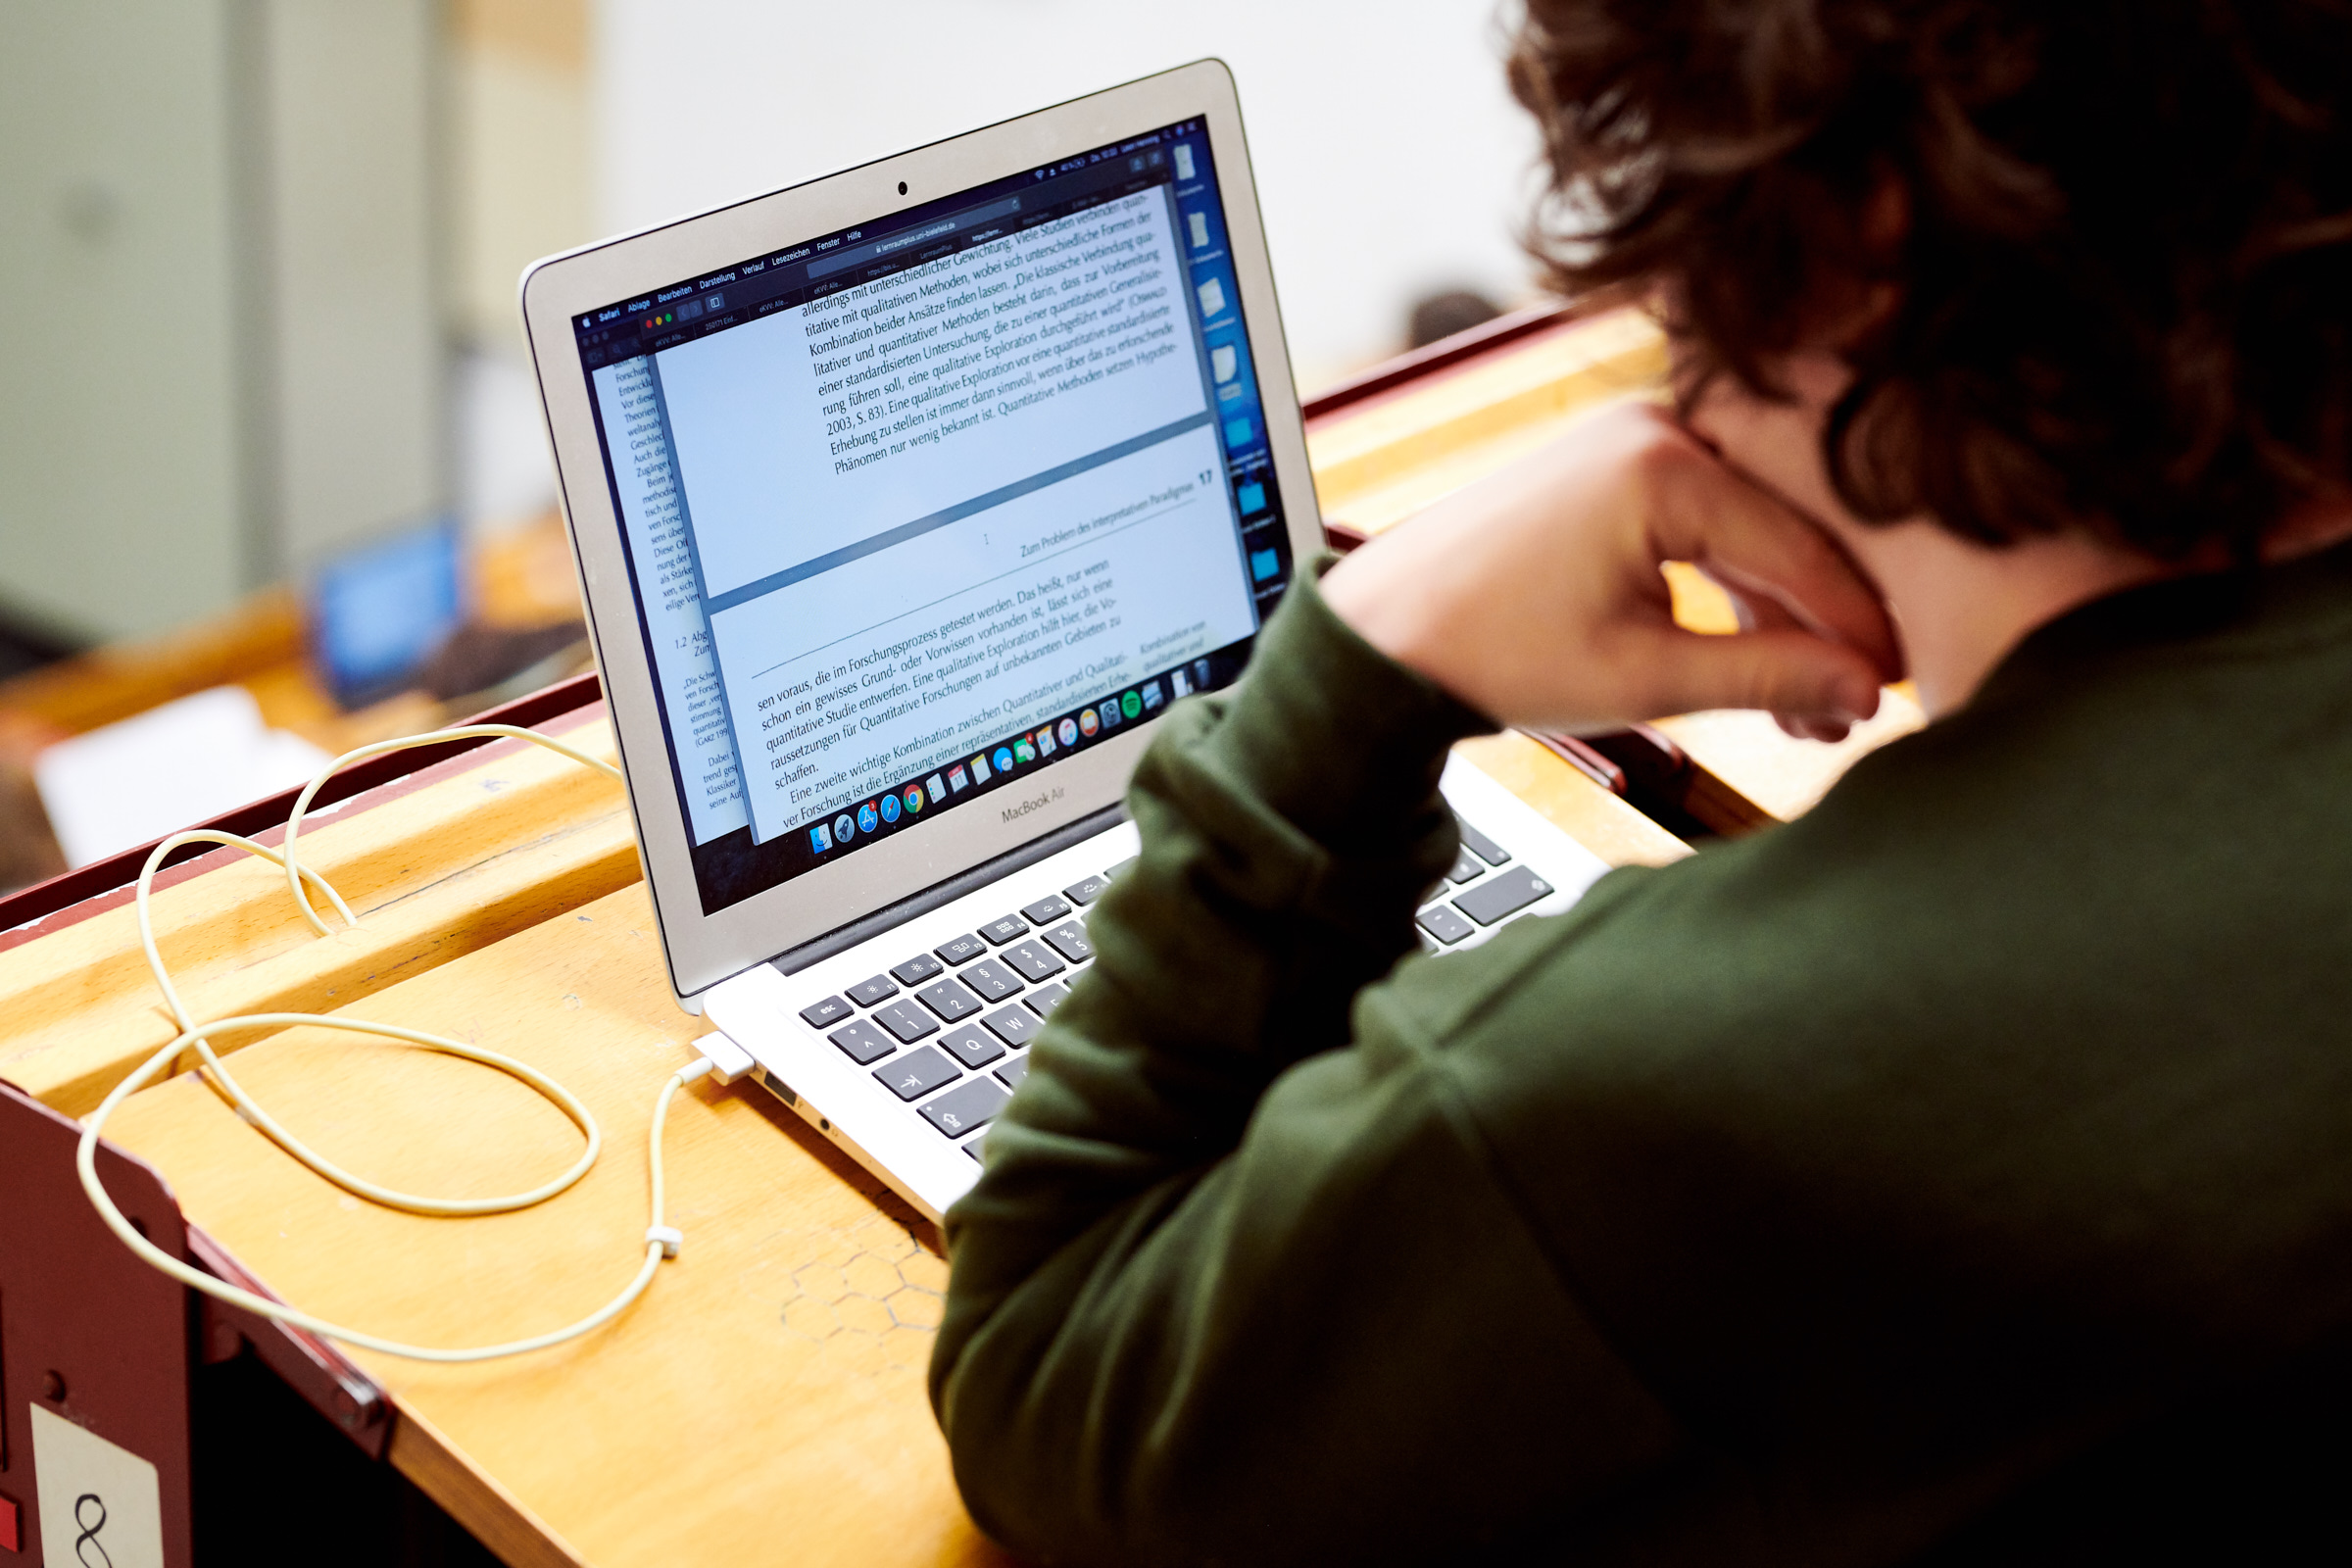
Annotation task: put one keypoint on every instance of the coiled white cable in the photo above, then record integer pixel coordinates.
(661, 1239)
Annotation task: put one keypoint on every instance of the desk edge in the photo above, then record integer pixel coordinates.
(496, 1518)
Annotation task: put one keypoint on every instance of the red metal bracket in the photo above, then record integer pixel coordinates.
(90, 1334)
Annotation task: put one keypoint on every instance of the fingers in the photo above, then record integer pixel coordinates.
(1536, 596)
(1818, 686)
(1800, 728)
(1764, 552)
(1766, 615)
(1758, 611)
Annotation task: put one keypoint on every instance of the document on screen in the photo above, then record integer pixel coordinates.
(950, 502)
(654, 520)
(897, 399)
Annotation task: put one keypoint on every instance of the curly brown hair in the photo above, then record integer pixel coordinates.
(2115, 237)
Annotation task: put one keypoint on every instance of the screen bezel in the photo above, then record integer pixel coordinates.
(701, 950)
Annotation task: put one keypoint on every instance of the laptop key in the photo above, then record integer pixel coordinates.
(915, 970)
(1485, 848)
(1429, 944)
(1086, 890)
(950, 1000)
(1070, 940)
(1013, 1071)
(1466, 867)
(862, 1043)
(1445, 923)
(960, 950)
(992, 980)
(971, 1046)
(1033, 961)
(1046, 910)
(1009, 929)
(918, 1073)
(1045, 999)
(1504, 896)
(906, 1020)
(817, 1015)
(1121, 869)
(865, 993)
(1015, 1027)
(960, 1111)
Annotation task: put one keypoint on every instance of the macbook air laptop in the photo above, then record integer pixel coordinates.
(907, 502)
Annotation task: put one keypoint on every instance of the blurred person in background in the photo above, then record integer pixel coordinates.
(1436, 317)
(1961, 1173)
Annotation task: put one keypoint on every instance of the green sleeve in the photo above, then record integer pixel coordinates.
(1241, 1281)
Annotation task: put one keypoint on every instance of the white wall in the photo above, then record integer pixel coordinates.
(224, 354)
(1389, 157)
(354, 269)
(516, 96)
(123, 508)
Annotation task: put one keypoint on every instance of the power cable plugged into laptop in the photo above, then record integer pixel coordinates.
(719, 1056)
(729, 1060)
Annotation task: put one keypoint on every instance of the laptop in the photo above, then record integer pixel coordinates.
(907, 502)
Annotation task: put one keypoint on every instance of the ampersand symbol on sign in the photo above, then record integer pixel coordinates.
(88, 1540)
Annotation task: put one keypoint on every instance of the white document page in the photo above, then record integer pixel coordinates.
(116, 786)
(907, 659)
(943, 505)
(798, 436)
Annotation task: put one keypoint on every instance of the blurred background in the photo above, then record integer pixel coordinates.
(275, 478)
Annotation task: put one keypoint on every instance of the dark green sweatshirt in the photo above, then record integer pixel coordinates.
(1964, 1170)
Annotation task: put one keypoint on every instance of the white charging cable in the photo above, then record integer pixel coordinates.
(661, 1239)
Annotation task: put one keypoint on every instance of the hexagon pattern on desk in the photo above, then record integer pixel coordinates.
(867, 1294)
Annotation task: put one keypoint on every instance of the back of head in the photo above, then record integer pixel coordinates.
(2091, 263)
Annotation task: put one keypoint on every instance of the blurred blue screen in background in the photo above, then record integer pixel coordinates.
(378, 613)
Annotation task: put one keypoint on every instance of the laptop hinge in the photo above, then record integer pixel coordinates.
(794, 959)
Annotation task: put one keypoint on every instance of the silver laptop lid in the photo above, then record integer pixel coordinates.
(908, 499)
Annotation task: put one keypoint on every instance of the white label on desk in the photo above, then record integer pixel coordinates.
(99, 1507)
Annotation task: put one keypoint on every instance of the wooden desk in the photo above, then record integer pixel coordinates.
(445, 863)
(764, 1402)
(519, 581)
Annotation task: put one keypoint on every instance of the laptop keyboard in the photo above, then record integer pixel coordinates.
(947, 1030)
(1487, 889)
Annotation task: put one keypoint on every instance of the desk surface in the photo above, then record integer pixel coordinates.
(435, 867)
(765, 1400)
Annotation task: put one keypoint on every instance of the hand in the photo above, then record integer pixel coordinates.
(1535, 595)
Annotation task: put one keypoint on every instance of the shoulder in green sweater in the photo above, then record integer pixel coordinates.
(1965, 1167)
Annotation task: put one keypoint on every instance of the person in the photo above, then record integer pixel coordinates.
(1436, 317)
(1960, 1173)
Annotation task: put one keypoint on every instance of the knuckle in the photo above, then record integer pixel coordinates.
(1661, 455)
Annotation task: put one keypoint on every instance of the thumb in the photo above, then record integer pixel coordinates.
(1783, 672)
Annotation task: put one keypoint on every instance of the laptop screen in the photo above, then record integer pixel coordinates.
(916, 510)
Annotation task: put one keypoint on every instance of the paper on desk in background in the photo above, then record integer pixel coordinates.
(123, 785)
